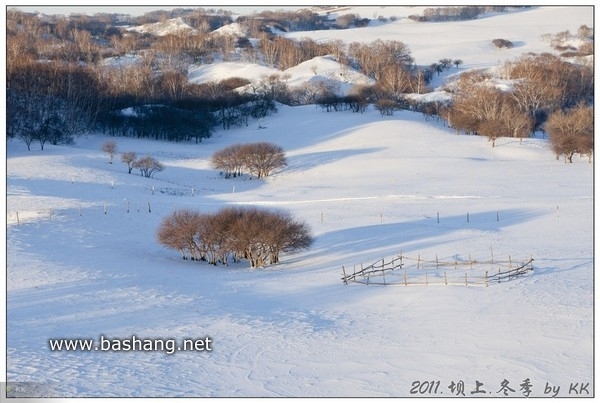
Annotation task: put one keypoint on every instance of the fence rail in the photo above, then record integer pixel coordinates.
(403, 271)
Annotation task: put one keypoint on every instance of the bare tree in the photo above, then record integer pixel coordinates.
(109, 147)
(572, 132)
(263, 158)
(148, 166)
(129, 158)
(228, 160)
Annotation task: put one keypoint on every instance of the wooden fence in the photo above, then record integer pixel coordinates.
(404, 271)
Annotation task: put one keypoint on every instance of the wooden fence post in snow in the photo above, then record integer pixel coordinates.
(426, 279)
(344, 271)
(405, 283)
(466, 282)
(445, 278)
(18, 222)
(149, 209)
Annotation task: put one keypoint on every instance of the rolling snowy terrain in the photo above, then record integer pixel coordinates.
(83, 261)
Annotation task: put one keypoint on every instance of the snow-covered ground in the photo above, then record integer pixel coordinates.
(83, 261)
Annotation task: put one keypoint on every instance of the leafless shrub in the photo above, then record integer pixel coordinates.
(502, 43)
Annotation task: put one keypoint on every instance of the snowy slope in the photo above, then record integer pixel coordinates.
(82, 259)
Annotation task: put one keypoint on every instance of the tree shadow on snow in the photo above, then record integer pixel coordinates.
(373, 242)
(303, 162)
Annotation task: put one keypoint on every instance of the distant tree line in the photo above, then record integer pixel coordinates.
(462, 13)
(234, 233)
(59, 83)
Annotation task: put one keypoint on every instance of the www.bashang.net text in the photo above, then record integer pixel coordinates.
(133, 343)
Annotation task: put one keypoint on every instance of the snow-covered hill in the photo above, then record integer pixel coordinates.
(83, 261)
(172, 26)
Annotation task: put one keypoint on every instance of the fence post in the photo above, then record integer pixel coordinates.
(467, 217)
(344, 271)
(405, 283)
(426, 279)
(436, 261)
(418, 260)
(438, 217)
(18, 222)
(466, 282)
(445, 278)
(486, 278)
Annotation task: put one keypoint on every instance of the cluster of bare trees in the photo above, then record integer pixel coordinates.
(572, 132)
(435, 14)
(489, 111)
(234, 233)
(544, 85)
(50, 102)
(259, 159)
(147, 165)
(72, 92)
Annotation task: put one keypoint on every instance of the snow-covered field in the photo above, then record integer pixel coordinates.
(83, 261)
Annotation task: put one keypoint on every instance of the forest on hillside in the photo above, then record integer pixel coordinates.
(60, 83)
